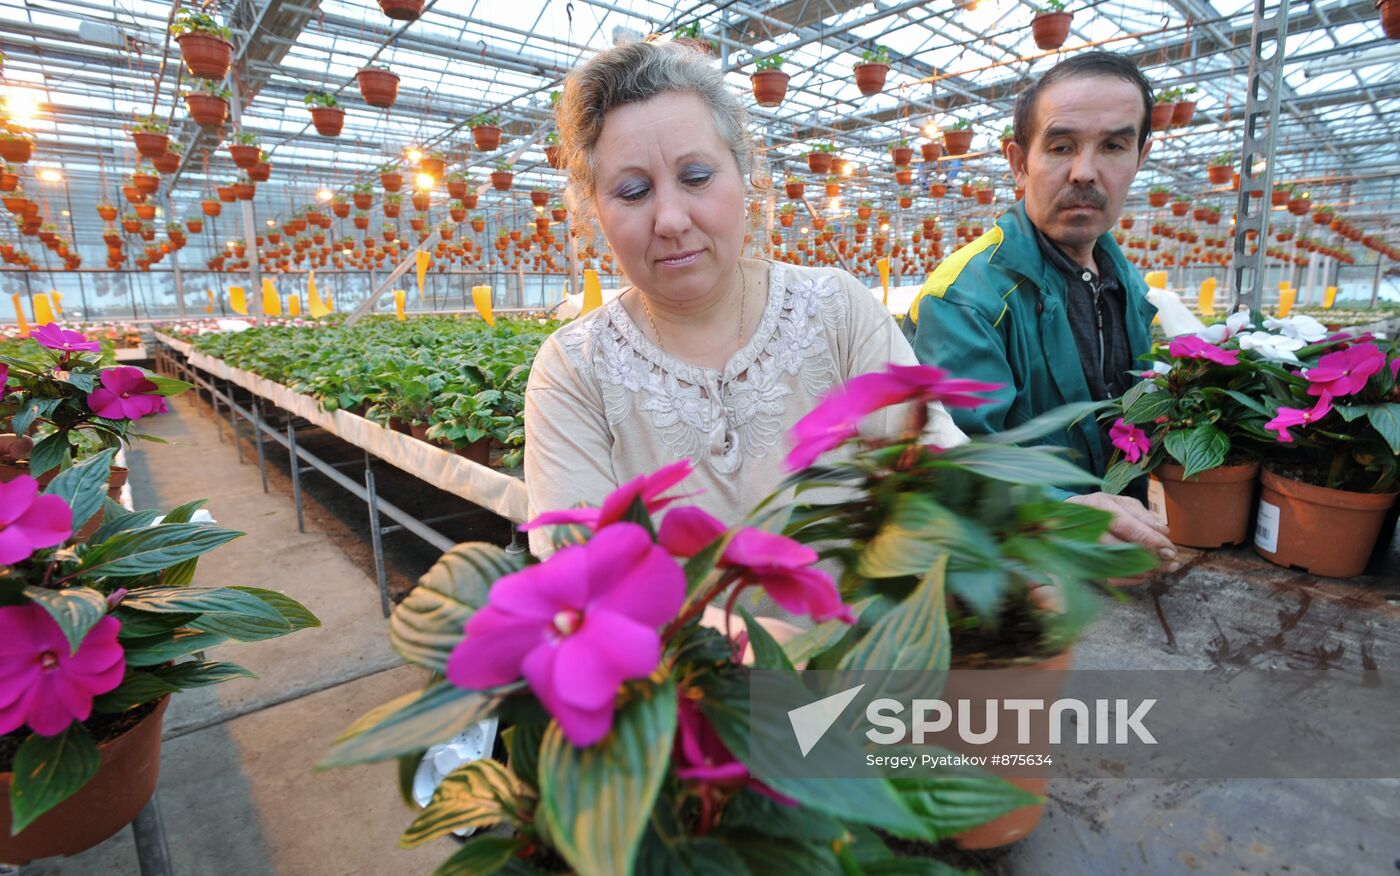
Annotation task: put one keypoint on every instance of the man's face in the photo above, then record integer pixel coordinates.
(1083, 155)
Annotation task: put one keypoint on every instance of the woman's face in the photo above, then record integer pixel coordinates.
(670, 198)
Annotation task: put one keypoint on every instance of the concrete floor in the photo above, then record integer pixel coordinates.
(237, 792)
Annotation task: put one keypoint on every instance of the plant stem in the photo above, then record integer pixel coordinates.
(698, 606)
(1334, 474)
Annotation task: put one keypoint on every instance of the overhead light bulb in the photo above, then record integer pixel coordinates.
(424, 181)
(48, 174)
(414, 154)
(21, 105)
(847, 169)
(271, 223)
(324, 195)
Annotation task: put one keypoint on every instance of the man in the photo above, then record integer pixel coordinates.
(1045, 303)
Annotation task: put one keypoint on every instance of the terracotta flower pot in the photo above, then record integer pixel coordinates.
(870, 78)
(1219, 174)
(207, 111)
(205, 55)
(1327, 532)
(1018, 823)
(126, 778)
(243, 156)
(1050, 29)
(1158, 199)
(769, 87)
(1390, 17)
(478, 452)
(1162, 116)
(501, 180)
(1182, 111)
(1209, 510)
(486, 137)
(16, 151)
(150, 145)
(328, 120)
(931, 150)
(378, 87)
(957, 142)
(402, 10)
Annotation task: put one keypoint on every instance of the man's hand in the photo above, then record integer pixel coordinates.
(1132, 524)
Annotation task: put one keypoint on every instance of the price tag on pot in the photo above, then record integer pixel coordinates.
(1157, 500)
(1266, 529)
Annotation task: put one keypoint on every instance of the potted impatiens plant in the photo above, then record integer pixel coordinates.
(1335, 471)
(625, 718)
(60, 389)
(1194, 423)
(94, 638)
(769, 81)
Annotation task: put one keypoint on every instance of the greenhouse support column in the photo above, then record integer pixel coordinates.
(519, 286)
(250, 229)
(1376, 284)
(1311, 282)
(572, 251)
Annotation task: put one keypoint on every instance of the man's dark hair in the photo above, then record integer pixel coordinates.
(1082, 66)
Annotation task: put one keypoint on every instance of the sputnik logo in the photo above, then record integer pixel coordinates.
(810, 722)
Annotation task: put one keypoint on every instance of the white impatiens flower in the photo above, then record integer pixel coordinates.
(1302, 327)
(1275, 348)
(1223, 331)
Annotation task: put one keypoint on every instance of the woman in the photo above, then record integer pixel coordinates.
(708, 355)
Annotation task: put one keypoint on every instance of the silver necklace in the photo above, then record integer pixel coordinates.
(743, 302)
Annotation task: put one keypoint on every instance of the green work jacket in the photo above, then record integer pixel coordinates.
(995, 310)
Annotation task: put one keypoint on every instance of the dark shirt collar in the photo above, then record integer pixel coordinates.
(1072, 269)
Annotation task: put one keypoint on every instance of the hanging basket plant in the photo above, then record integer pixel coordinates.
(326, 114)
(1050, 26)
(486, 131)
(204, 44)
(207, 103)
(502, 176)
(260, 171)
(16, 146)
(957, 139)
(1220, 168)
(379, 86)
(1163, 109)
(243, 149)
(1390, 17)
(402, 10)
(1185, 106)
(871, 72)
(149, 134)
(769, 81)
(390, 178)
(553, 153)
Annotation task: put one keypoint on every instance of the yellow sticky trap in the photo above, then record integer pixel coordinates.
(425, 258)
(592, 292)
(19, 316)
(293, 304)
(1155, 279)
(884, 265)
(271, 304)
(209, 308)
(1329, 298)
(237, 301)
(43, 315)
(313, 296)
(399, 296)
(1205, 303)
(330, 305)
(1286, 298)
(57, 298)
(481, 297)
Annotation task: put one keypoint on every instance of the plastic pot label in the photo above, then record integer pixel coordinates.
(1157, 500)
(1266, 529)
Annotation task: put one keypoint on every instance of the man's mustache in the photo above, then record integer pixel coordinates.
(1082, 196)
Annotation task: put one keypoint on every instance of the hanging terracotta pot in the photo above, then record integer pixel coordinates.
(769, 87)
(128, 766)
(870, 78)
(486, 137)
(957, 142)
(150, 145)
(1390, 17)
(1050, 29)
(206, 110)
(501, 180)
(402, 10)
(1209, 510)
(1162, 116)
(16, 151)
(244, 156)
(205, 55)
(1182, 111)
(378, 87)
(1325, 531)
(328, 120)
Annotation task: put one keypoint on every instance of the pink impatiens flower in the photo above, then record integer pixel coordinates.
(702, 757)
(1290, 417)
(4, 377)
(776, 563)
(1192, 347)
(1345, 372)
(125, 394)
(648, 488)
(42, 683)
(55, 338)
(575, 627)
(837, 418)
(29, 521)
(1129, 439)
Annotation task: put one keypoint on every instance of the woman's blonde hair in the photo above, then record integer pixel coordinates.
(634, 73)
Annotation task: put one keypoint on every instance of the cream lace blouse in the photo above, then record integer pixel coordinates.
(604, 404)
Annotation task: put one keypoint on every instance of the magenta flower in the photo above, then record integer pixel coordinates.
(575, 627)
(702, 757)
(1192, 347)
(55, 338)
(1287, 418)
(29, 521)
(4, 377)
(648, 488)
(1345, 372)
(1129, 439)
(125, 394)
(42, 684)
(837, 417)
(778, 564)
